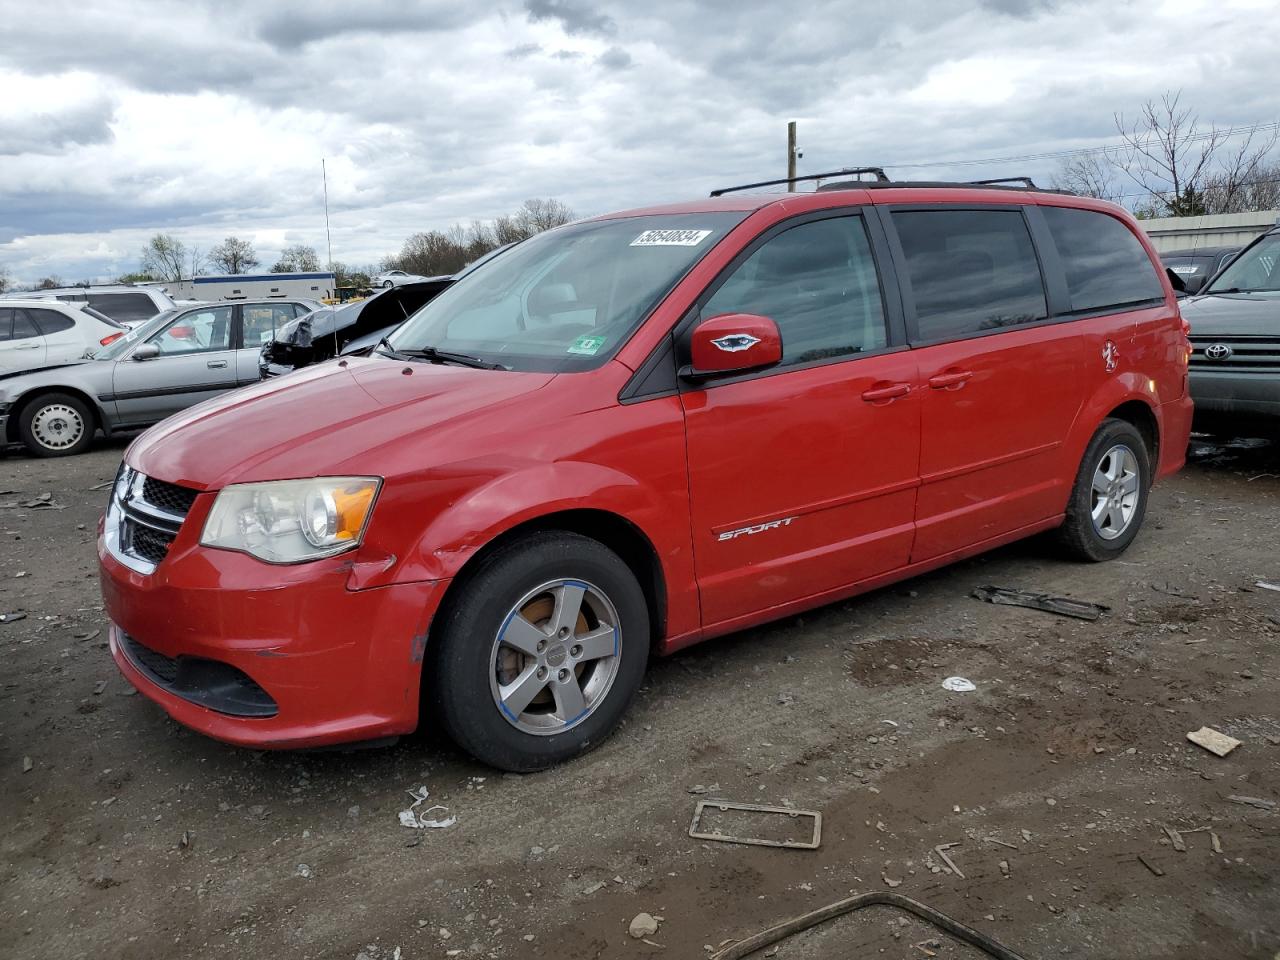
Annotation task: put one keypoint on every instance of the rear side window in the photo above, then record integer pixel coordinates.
(1105, 264)
(23, 326)
(6, 323)
(818, 283)
(125, 307)
(970, 271)
(50, 321)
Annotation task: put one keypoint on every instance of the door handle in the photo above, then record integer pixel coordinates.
(952, 380)
(886, 392)
(27, 346)
(214, 364)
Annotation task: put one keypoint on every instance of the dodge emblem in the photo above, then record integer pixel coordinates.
(735, 342)
(1217, 351)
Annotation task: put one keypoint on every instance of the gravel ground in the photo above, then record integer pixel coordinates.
(126, 836)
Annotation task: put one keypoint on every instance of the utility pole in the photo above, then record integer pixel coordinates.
(791, 155)
(324, 175)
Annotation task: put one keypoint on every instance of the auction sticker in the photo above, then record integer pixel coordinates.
(586, 346)
(670, 238)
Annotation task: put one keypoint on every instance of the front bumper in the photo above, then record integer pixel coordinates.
(335, 665)
(1236, 393)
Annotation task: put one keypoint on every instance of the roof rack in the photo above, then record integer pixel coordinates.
(881, 177)
(1025, 181)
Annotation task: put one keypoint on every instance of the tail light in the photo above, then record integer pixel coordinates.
(111, 338)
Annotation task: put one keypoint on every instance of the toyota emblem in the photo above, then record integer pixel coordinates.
(1217, 351)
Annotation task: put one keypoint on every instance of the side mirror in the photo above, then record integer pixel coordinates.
(146, 351)
(1179, 285)
(733, 343)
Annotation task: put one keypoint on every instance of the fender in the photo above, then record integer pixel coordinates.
(457, 532)
(1120, 389)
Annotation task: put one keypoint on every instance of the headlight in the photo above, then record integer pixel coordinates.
(289, 521)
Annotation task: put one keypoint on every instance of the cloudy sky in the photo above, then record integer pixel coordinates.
(121, 118)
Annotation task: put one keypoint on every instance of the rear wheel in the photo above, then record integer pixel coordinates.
(1109, 499)
(539, 655)
(56, 425)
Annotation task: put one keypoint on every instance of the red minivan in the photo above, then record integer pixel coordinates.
(633, 433)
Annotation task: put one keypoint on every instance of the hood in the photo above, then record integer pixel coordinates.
(1233, 314)
(331, 419)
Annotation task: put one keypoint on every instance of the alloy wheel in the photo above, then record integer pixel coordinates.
(1116, 489)
(555, 657)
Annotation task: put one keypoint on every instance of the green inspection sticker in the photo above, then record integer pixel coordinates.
(586, 346)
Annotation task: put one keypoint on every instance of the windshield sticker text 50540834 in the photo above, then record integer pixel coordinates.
(670, 238)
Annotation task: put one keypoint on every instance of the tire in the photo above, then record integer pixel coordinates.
(479, 680)
(1116, 449)
(387, 284)
(56, 425)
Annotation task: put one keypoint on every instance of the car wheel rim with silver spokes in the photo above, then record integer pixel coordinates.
(1116, 487)
(57, 426)
(555, 657)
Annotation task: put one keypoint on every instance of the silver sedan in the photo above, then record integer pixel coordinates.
(171, 362)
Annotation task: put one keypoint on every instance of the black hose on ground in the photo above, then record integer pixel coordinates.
(975, 938)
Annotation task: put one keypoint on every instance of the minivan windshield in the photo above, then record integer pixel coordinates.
(1257, 270)
(566, 299)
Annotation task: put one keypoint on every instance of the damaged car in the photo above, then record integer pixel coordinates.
(635, 433)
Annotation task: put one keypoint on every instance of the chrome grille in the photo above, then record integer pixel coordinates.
(1242, 353)
(143, 518)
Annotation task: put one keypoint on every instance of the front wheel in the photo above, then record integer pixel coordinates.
(1109, 499)
(387, 284)
(56, 425)
(539, 655)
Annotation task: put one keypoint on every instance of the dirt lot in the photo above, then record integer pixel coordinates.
(130, 837)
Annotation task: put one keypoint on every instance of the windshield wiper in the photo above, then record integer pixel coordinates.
(445, 356)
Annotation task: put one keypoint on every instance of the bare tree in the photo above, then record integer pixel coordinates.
(197, 260)
(1171, 158)
(4, 279)
(164, 257)
(1259, 191)
(234, 255)
(1090, 174)
(299, 258)
(50, 282)
(448, 251)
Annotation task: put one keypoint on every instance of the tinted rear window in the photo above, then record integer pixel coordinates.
(50, 321)
(1105, 264)
(126, 307)
(970, 271)
(23, 326)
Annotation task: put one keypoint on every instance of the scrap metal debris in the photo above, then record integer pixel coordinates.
(959, 685)
(1266, 585)
(941, 850)
(725, 805)
(12, 617)
(1253, 802)
(1150, 866)
(1213, 741)
(1176, 839)
(954, 928)
(1063, 606)
(418, 821)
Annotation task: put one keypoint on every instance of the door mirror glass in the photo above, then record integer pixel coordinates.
(734, 343)
(146, 351)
